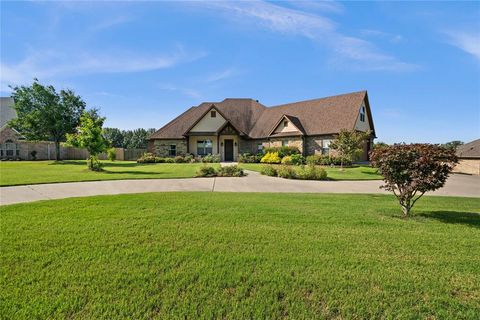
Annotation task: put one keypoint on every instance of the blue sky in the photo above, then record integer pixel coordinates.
(143, 63)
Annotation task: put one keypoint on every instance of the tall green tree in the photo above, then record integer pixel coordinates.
(115, 136)
(453, 144)
(45, 114)
(137, 139)
(90, 136)
(349, 144)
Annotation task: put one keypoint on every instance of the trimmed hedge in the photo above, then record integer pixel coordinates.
(308, 172)
(282, 151)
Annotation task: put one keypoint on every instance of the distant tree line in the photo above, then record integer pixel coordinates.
(128, 139)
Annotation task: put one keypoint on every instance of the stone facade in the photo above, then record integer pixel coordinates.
(314, 144)
(161, 148)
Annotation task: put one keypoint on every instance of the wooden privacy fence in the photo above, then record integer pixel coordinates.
(45, 150)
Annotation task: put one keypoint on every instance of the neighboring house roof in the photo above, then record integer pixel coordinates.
(7, 112)
(312, 117)
(469, 150)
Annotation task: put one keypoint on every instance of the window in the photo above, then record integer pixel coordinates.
(259, 147)
(11, 149)
(326, 146)
(172, 151)
(284, 143)
(362, 114)
(204, 147)
(285, 123)
(213, 114)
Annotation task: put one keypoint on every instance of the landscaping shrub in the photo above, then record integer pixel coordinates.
(271, 157)
(206, 171)
(189, 158)
(326, 160)
(112, 154)
(147, 157)
(313, 160)
(169, 160)
(287, 172)
(159, 160)
(250, 158)
(311, 172)
(34, 155)
(179, 159)
(269, 171)
(287, 160)
(297, 159)
(283, 151)
(211, 158)
(94, 164)
(230, 171)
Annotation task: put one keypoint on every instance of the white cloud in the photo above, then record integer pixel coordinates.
(466, 41)
(109, 23)
(50, 64)
(393, 38)
(185, 91)
(222, 75)
(345, 49)
(323, 6)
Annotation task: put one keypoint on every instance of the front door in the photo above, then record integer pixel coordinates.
(228, 150)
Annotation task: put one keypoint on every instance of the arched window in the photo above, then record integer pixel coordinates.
(11, 149)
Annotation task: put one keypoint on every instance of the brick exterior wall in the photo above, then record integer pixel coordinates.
(161, 147)
(468, 166)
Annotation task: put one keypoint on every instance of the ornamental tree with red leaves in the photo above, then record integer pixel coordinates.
(410, 170)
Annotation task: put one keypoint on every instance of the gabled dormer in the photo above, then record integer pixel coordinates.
(287, 125)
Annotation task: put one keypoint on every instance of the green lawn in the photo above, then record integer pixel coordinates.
(32, 172)
(355, 173)
(237, 256)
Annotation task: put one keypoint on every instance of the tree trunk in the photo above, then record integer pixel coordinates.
(57, 151)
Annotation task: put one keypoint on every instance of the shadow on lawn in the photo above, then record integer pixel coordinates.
(106, 165)
(455, 217)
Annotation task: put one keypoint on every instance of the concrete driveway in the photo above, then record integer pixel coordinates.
(457, 185)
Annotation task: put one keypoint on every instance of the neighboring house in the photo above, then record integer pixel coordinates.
(9, 137)
(469, 158)
(236, 126)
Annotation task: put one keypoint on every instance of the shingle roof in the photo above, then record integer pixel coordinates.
(469, 150)
(314, 117)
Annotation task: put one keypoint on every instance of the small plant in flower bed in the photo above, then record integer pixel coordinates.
(271, 157)
(147, 157)
(283, 151)
(250, 158)
(326, 160)
(179, 159)
(297, 159)
(310, 172)
(189, 158)
(230, 171)
(287, 160)
(268, 170)
(206, 171)
(287, 172)
(211, 158)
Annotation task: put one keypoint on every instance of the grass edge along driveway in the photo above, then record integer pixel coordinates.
(229, 255)
(14, 173)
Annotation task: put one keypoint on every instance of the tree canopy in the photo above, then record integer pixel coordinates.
(411, 170)
(129, 139)
(45, 114)
(90, 136)
(349, 144)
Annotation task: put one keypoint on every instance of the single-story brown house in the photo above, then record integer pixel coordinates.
(236, 126)
(9, 137)
(469, 158)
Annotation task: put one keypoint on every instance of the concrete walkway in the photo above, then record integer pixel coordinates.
(457, 185)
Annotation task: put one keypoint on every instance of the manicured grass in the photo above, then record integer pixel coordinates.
(32, 172)
(237, 256)
(355, 173)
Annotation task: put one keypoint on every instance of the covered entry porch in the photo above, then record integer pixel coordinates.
(224, 145)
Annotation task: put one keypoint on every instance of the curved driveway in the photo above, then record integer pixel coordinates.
(457, 185)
